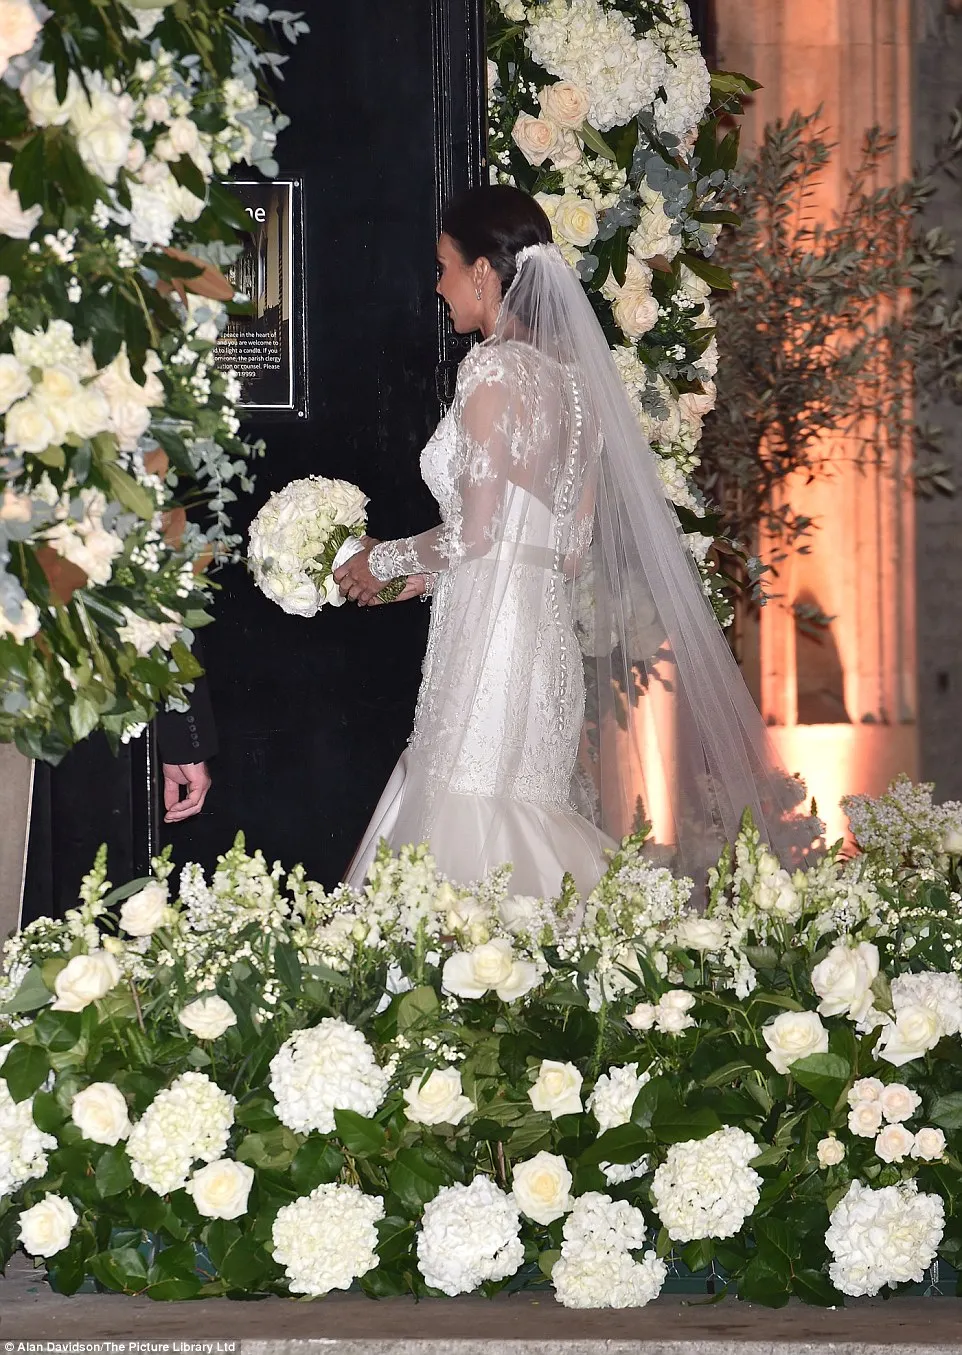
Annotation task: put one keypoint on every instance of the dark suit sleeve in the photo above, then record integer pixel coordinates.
(191, 735)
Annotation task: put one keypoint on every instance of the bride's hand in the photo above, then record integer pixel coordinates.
(355, 579)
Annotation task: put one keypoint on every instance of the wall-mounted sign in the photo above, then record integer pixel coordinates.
(266, 349)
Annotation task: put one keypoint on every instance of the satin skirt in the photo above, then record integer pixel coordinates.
(473, 834)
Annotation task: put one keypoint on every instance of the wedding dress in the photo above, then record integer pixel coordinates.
(576, 683)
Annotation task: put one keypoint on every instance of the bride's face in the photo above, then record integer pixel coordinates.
(459, 284)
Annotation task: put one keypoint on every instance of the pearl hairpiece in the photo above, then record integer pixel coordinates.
(530, 251)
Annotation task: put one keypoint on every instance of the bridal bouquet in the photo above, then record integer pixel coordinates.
(302, 534)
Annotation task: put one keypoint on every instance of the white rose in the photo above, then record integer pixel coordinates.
(777, 894)
(672, 1013)
(865, 1119)
(220, 1189)
(38, 89)
(792, 1036)
(45, 1229)
(557, 1090)
(27, 626)
(576, 220)
(569, 151)
(104, 146)
(182, 138)
(14, 381)
(152, 215)
(894, 1143)
(494, 78)
(542, 1187)
(85, 979)
(635, 312)
(519, 913)
(19, 27)
(830, 1152)
(899, 1102)
(536, 138)
(929, 1145)
(866, 1089)
(701, 933)
(208, 1017)
(438, 1099)
(643, 1016)
(565, 103)
(156, 109)
(100, 1113)
(29, 427)
(843, 980)
(915, 1030)
(143, 912)
(88, 413)
(952, 840)
(492, 965)
(14, 221)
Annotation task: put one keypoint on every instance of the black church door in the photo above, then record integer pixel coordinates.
(385, 102)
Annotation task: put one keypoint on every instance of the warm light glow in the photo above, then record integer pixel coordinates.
(837, 760)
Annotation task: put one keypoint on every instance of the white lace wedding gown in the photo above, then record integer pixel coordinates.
(487, 775)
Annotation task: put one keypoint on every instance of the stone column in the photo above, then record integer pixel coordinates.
(843, 713)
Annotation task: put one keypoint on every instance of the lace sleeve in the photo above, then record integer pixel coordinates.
(486, 435)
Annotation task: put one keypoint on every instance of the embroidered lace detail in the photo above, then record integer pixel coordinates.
(507, 723)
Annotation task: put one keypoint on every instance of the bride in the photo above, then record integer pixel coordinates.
(576, 683)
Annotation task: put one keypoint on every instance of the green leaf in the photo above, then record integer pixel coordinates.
(48, 1113)
(676, 1124)
(288, 967)
(624, 1143)
(317, 1161)
(113, 1173)
(721, 280)
(58, 1031)
(697, 1255)
(395, 1238)
(127, 491)
(228, 207)
(360, 1136)
(596, 142)
(31, 994)
(825, 1075)
(547, 1260)
(219, 1236)
(733, 82)
(811, 1286)
(946, 1112)
(774, 1234)
(245, 1265)
(189, 176)
(414, 1181)
(257, 1111)
(274, 1148)
(120, 1268)
(415, 1006)
(24, 1068)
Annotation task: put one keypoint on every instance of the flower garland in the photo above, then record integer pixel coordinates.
(116, 122)
(434, 1089)
(623, 152)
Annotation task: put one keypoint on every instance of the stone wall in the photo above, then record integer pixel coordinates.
(938, 88)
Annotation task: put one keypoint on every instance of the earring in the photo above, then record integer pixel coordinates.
(477, 292)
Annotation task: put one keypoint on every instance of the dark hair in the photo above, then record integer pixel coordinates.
(495, 221)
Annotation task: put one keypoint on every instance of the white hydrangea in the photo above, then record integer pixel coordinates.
(326, 1067)
(941, 993)
(615, 1093)
(883, 1237)
(653, 236)
(705, 1187)
(327, 1239)
(596, 1268)
(188, 1121)
(597, 49)
(687, 92)
(23, 1147)
(469, 1234)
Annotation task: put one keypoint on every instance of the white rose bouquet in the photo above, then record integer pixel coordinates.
(302, 534)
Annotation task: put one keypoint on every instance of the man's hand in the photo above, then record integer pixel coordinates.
(193, 776)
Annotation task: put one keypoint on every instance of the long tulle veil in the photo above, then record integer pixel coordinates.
(671, 734)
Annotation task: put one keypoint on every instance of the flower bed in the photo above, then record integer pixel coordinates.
(429, 1089)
